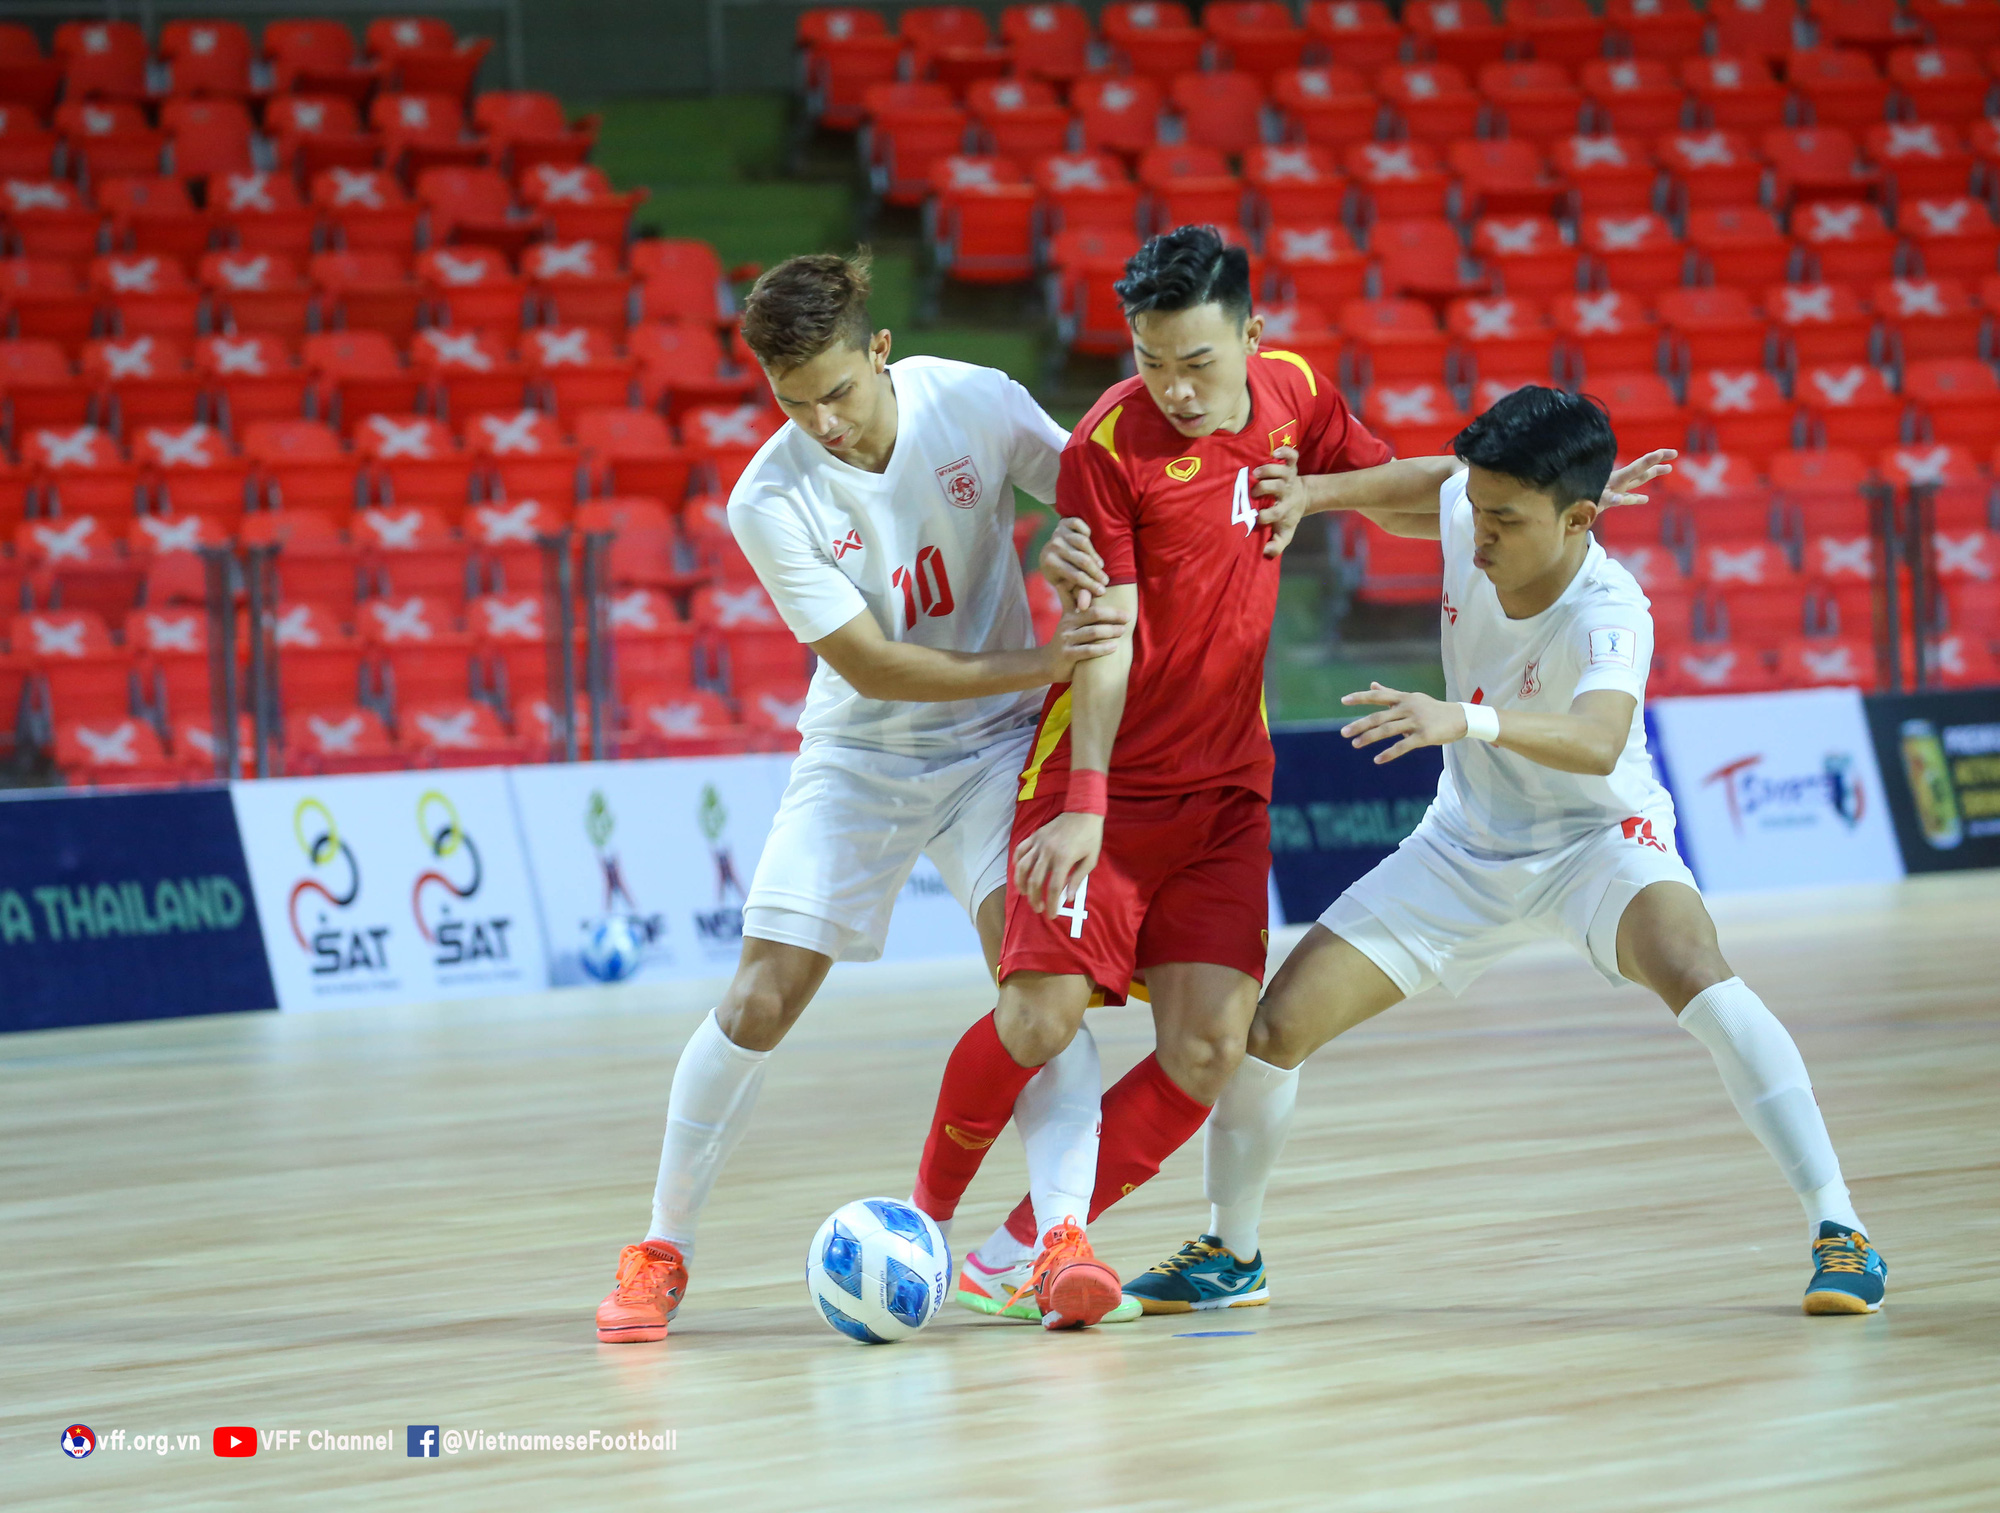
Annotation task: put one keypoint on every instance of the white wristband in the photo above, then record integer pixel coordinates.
(1482, 722)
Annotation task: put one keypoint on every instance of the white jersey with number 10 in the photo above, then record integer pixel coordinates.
(926, 547)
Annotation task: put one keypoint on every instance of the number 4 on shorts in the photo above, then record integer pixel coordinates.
(1073, 910)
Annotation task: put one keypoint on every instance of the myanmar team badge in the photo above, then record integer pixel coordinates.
(960, 481)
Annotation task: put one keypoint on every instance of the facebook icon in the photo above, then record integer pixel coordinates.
(424, 1440)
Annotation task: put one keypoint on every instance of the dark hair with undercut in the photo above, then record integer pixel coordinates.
(1183, 268)
(1557, 443)
(805, 305)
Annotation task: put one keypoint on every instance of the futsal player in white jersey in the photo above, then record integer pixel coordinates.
(881, 522)
(1548, 821)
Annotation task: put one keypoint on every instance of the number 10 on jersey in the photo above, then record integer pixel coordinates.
(926, 587)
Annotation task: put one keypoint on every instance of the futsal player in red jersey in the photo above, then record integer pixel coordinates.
(1159, 863)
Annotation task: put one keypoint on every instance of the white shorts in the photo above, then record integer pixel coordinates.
(1435, 913)
(852, 824)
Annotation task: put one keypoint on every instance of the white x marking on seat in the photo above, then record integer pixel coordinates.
(564, 348)
(132, 359)
(1920, 468)
(336, 737)
(237, 357)
(1315, 246)
(460, 349)
(1914, 298)
(971, 173)
(187, 447)
(1807, 304)
(1707, 150)
(1846, 556)
(413, 111)
(459, 272)
(29, 195)
(110, 748)
(554, 259)
(1117, 97)
(1514, 236)
(454, 732)
(1598, 314)
(295, 627)
(180, 535)
(1963, 556)
(1711, 671)
(1834, 662)
(1289, 163)
(743, 606)
(498, 523)
(249, 273)
(401, 439)
(173, 632)
(57, 638)
(1732, 392)
(730, 428)
(395, 533)
(62, 449)
(65, 543)
(1746, 566)
(1490, 317)
(1314, 82)
(141, 276)
(1420, 84)
(1406, 406)
(1074, 173)
(781, 711)
(1593, 152)
(308, 115)
(632, 611)
(1839, 388)
(520, 618)
(1944, 217)
(1621, 233)
(1912, 140)
(1835, 223)
(1623, 76)
(678, 718)
(512, 435)
(1391, 162)
(363, 188)
(1707, 476)
(248, 191)
(400, 622)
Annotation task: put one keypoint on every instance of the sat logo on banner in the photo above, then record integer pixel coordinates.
(1776, 790)
(390, 887)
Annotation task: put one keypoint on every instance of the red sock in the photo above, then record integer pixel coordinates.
(1146, 1119)
(981, 1082)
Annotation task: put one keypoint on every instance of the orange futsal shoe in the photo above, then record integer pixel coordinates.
(1074, 1288)
(652, 1278)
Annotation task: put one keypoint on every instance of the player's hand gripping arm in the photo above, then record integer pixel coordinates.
(1071, 563)
(1400, 496)
(1051, 864)
(1588, 738)
(879, 668)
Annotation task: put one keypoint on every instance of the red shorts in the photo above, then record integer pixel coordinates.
(1181, 878)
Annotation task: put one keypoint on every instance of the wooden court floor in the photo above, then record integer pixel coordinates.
(1524, 1257)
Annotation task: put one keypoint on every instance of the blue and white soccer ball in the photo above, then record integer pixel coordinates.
(611, 949)
(878, 1270)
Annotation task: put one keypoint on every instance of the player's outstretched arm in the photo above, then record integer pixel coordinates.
(879, 668)
(1588, 738)
(1071, 563)
(1402, 496)
(1051, 864)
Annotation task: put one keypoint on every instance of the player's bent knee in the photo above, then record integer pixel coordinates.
(1278, 1042)
(1039, 1014)
(756, 1017)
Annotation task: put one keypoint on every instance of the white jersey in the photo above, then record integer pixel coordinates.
(927, 547)
(1599, 634)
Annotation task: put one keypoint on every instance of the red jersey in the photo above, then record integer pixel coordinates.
(1177, 517)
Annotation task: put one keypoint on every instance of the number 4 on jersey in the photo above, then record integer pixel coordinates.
(1072, 910)
(1241, 511)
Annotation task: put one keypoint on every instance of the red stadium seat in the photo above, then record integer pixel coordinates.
(474, 206)
(1422, 256)
(1743, 409)
(1825, 662)
(504, 538)
(1432, 101)
(1221, 110)
(1635, 97)
(413, 458)
(1303, 180)
(1734, 91)
(1536, 100)
(472, 287)
(251, 377)
(262, 212)
(1711, 167)
(1640, 404)
(1713, 327)
(1921, 158)
(1328, 107)
(1458, 34)
(906, 136)
(1257, 37)
(109, 137)
(840, 71)
(303, 466)
(1946, 83)
(49, 219)
(632, 452)
(1504, 177)
(1398, 179)
(680, 367)
(1820, 323)
(1019, 118)
(683, 280)
(1152, 38)
(208, 137)
(1049, 41)
(1608, 332)
(1393, 340)
(524, 455)
(148, 294)
(1959, 395)
(1842, 86)
(1851, 404)
(368, 208)
(367, 291)
(153, 215)
(1361, 33)
(104, 59)
(1928, 317)
(422, 131)
(1664, 29)
(469, 371)
(143, 380)
(1817, 163)
(1506, 335)
(1318, 264)
(1636, 252)
(45, 302)
(252, 292)
(526, 128)
(1120, 115)
(726, 438)
(358, 373)
(1556, 31)
(207, 57)
(1754, 29)
(194, 469)
(1741, 242)
(1386, 569)
(1848, 239)
(1527, 254)
(1955, 237)
(1955, 22)
(338, 739)
(579, 283)
(312, 134)
(580, 367)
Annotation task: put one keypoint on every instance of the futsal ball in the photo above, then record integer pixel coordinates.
(878, 1270)
(611, 949)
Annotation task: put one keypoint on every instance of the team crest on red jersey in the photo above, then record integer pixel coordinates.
(1531, 680)
(1181, 469)
(1287, 435)
(960, 481)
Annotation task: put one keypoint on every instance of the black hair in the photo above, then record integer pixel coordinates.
(1183, 268)
(1557, 443)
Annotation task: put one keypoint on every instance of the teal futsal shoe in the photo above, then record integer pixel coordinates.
(1849, 1274)
(1201, 1275)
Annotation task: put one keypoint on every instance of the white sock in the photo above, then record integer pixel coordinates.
(1245, 1133)
(1001, 1251)
(715, 1086)
(1767, 1081)
(1057, 1114)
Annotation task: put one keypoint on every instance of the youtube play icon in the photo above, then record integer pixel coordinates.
(236, 1441)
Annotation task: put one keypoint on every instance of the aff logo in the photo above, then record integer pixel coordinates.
(1640, 832)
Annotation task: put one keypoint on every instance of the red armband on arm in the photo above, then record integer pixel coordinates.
(1088, 792)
